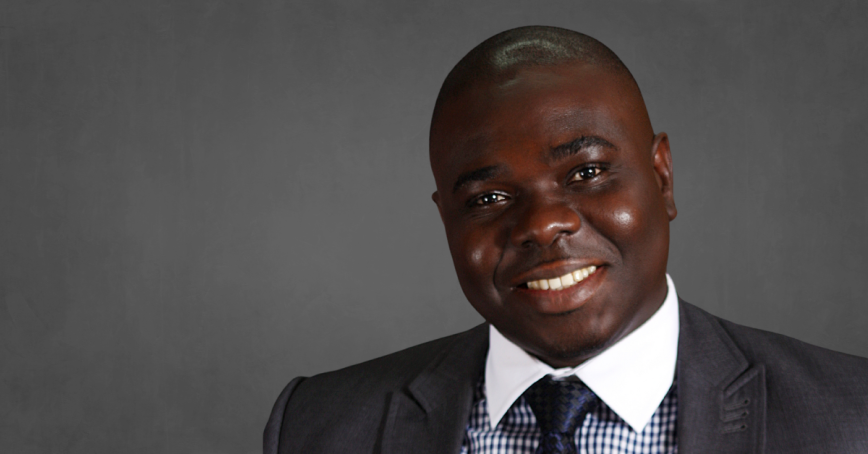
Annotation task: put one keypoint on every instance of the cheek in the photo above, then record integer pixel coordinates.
(634, 224)
(639, 228)
(477, 257)
(624, 219)
(626, 223)
(475, 254)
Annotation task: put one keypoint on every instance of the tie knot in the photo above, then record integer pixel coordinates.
(560, 406)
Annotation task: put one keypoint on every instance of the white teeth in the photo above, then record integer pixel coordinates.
(567, 280)
(555, 283)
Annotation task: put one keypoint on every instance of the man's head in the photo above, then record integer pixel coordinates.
(546, 168)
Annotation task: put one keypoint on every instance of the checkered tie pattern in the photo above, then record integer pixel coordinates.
(559, 406)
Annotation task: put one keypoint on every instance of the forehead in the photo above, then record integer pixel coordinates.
(535, 109)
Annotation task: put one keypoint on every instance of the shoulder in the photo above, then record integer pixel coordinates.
(808, 398)
(353, 401)
(777, 351)
(797, 360)
(795, 397)
(804, 379)
(800, 378)
(391, 371)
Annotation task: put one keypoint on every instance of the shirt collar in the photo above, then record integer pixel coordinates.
(632, 377)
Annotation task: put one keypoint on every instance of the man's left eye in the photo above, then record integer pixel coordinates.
(488, 199)
(586, 173)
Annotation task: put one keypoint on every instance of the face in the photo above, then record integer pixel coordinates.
(556, 197)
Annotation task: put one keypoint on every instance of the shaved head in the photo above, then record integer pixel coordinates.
(502, 55)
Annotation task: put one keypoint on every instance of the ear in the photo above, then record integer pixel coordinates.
(663, 171)
(436, 198)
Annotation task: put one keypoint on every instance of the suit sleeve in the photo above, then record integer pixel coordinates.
(271, 437)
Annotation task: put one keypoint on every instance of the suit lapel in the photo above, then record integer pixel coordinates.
(430, 414)
(721, 396)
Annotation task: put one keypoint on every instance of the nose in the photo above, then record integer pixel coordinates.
(541, 222)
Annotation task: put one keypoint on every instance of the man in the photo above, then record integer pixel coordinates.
(556, 196)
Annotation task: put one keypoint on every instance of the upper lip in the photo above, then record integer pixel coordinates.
(551, 270)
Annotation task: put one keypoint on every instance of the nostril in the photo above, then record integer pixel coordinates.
(542, 222)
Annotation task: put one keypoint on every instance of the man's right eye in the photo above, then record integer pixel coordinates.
(488, 199)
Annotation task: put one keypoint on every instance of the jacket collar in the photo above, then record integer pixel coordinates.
(721, 396)
(430, 414)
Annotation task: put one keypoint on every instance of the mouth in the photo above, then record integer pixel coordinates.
(561, 282)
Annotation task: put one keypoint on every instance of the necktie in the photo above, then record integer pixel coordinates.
(560, 407)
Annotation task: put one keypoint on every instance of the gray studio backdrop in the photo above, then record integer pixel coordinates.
(203, 199)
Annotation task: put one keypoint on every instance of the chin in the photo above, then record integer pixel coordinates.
(569, 351)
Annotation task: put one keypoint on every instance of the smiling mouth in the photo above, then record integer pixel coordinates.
(562, 282)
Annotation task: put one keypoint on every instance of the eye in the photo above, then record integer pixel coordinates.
(587, 172)
(487, 199)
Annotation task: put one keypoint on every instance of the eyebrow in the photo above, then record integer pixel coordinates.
(568, 149)
(557, 153)
(481, 174)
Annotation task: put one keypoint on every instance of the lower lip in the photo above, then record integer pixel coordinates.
(563, 300)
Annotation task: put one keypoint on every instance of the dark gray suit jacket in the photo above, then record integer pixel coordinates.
(740, 390)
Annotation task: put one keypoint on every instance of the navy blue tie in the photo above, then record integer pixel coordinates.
(560, 407)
